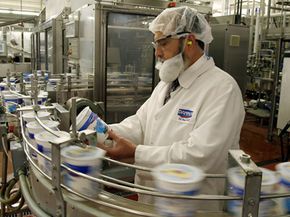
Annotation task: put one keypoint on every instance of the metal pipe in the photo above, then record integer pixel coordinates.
(40, 108)
(251, 29)
(279, 46)
(149, 169)
(3, 142)
(45, 127)
(257, 31)
(28, 198)
(73, 112)
(126, 183)
(268, 16)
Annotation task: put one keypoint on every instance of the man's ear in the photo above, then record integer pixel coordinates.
(189, 43)
(190, 39)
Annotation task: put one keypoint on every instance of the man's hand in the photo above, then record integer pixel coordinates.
(122, 149)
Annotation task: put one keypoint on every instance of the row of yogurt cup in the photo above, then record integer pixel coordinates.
(169, 178)
(12, 101)
(84, 160)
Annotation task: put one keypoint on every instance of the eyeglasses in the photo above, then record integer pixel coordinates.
(162, 42)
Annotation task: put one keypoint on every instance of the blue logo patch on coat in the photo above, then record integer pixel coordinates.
(184, 114)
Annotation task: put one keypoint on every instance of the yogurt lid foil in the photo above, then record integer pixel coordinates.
(178, 173)
(48, 123)
(40, 114)
(46, 136)
(88, 153)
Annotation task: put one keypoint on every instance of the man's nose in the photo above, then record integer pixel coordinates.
(158, 52)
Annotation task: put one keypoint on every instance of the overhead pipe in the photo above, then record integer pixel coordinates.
(251, 30)
(257, 32)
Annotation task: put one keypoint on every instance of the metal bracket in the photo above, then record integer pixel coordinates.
(253, 182)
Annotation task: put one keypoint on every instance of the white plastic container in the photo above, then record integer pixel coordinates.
(11, 101)
(102, 130)
(283, 170)
(52, 83)
(27, 101)
(42, 97)
(34, 127)
(236, 179)
(85, 160)
(3, 86)
(30, 116)
(86, 119)
(178, 179)
(43, 140)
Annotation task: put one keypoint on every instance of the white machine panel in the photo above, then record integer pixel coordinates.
(55, 7)
(284, 105)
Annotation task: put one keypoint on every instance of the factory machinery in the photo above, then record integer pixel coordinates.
(266, 68)
(47, 195)
(32, 189)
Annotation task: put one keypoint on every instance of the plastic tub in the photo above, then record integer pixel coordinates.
(3, 86)
(11, 101)
(178, 179)
(102, 130)
(85, 160)
(86, 119)
(43, 140)
(34, 127)
(27, 100)
(283, 170)
(236, 180)
(30, 116)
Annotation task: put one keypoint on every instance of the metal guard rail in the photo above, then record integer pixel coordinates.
(122, 185)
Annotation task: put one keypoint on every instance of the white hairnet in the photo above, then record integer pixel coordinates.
(181, 20)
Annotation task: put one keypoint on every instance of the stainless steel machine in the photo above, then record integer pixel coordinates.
(230, 50)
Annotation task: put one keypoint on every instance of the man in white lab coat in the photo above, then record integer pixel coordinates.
(195, 123)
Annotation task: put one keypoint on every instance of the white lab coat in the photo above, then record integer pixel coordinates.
(197, 126)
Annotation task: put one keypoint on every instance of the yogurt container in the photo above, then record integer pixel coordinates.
(236, 181)
(86, 119)
(30, 116)
(34, 127)
(177, 179)
(52, 83)
(3, 86)
(102, 130)
(11, 101)
(84, 160)
(43, 140)
(283, 170)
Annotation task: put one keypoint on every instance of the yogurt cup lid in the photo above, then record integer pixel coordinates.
(178, 173)
(48, 137)
(40, 114)
(75, 152)
(48, 123)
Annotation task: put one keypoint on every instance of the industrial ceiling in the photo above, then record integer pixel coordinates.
(16, 10)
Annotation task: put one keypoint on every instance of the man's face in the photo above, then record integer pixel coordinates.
(165, 48)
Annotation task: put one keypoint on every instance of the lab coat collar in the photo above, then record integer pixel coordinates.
(195, 70)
